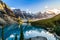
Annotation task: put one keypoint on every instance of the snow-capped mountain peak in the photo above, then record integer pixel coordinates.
(55, 11)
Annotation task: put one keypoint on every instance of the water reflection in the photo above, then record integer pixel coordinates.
(34, 33)
(29, 31)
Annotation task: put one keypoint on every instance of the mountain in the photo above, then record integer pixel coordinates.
(23, 14)
(6, 15)
(48, 13)
(53, 11)
(52, 24)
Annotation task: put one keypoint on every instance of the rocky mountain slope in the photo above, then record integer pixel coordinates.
(6, 15)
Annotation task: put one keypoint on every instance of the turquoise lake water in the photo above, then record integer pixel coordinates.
(29, 31)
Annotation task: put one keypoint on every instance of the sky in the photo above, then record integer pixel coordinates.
(33, 5)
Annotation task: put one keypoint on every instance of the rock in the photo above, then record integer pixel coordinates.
(6, 14)
(37, 38)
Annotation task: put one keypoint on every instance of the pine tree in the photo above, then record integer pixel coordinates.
(2, 33)
(21, 28)
(21, 33)
(16, 37)
(30, 39)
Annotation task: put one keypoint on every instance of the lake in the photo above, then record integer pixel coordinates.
(29, 31)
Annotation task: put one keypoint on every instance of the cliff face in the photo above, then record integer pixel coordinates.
(5, 9)
(6, 15)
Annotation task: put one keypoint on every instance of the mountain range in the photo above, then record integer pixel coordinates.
(23, 14)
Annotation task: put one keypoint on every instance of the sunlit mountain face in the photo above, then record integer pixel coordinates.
(55, 11)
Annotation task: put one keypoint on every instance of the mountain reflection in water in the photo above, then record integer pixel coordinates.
(29, 31)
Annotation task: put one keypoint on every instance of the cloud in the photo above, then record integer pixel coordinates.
(13, 8)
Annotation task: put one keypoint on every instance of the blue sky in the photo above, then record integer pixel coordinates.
(33, 5)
